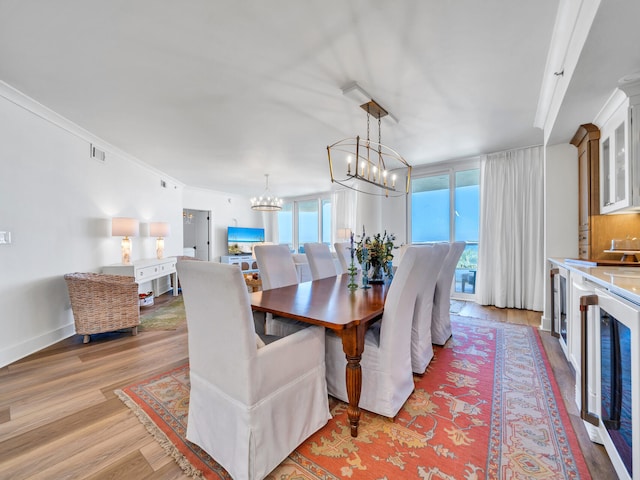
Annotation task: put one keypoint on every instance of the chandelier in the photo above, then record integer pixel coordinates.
(371, 167)
(266, 202)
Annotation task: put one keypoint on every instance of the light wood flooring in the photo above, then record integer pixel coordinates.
(59, 417)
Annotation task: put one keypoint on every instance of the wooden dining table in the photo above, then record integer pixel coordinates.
(330, 303)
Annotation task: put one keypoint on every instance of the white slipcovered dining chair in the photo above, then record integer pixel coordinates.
(320, 260)
(249, 406)
(441, 318)
(277, 269)
(276, 266)
(343, 250)
(387, 380)
(421, 344)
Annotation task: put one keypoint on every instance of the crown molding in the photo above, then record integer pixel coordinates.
(18, 98)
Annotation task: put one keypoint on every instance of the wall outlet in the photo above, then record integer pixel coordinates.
(5, 238)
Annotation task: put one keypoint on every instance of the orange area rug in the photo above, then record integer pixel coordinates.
(487, 407)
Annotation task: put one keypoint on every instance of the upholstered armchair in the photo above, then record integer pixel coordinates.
(250, 406)
(103, 303)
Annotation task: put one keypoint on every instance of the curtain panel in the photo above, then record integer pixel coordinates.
(344, 205)
(511, 264)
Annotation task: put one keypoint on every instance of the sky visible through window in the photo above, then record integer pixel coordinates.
(430, 215)
(307, 223)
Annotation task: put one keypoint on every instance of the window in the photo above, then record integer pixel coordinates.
(326, 221)
(303, 221)
(430, 218)
(433, 219)
(308, 226)
(285, 225)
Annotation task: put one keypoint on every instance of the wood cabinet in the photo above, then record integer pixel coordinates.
(586, 139)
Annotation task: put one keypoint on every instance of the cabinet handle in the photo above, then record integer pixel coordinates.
(553, 272)
(585, 414)
(606, 204)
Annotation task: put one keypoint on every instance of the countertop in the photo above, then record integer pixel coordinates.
(623, 281)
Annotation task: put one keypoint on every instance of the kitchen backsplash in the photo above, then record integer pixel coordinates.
(608, 227)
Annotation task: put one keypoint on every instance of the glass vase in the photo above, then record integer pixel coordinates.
(365, 275)
(377, 273)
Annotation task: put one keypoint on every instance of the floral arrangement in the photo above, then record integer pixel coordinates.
(376, 251)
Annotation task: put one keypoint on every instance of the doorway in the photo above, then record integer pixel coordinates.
(196, 233)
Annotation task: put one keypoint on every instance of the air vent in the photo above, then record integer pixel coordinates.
(97, 153)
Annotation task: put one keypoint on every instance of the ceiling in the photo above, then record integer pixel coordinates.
(217, 94)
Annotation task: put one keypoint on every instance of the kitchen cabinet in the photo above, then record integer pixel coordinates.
(603, 317)
(615, 165)
(620, 149)
(586, 139)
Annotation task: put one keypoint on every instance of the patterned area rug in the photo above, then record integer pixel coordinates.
(166, 317)
(487, 407)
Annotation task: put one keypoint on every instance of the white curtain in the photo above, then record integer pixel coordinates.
(511, 264)
(344, 205)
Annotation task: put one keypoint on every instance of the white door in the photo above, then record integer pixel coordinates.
(196, 232)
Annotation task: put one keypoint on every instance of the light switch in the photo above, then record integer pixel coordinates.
(5, 238)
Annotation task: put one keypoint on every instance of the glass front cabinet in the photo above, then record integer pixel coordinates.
(620, 151)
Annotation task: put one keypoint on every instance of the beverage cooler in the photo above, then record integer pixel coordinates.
(610, 368)
(559, 308)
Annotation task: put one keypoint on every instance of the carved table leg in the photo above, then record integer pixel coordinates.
(353, 345)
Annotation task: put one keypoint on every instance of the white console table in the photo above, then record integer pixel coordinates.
(146, 270)
(246, 263)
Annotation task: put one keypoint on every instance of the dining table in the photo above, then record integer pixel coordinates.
(330, 303)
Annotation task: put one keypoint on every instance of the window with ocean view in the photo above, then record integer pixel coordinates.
(445, 207)
(304, 221)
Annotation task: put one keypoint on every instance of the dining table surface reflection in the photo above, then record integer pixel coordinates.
(330, 303)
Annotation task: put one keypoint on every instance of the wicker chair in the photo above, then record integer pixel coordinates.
(103, 303)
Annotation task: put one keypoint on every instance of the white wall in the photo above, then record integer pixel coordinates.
(369, 214)
(57, 202)
(226, 209)
(560, 211)
(394, 217)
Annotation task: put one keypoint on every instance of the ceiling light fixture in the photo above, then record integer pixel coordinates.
(371, 167)
(266, 202)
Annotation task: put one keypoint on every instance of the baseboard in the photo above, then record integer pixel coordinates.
(545, 324)
(16, 352)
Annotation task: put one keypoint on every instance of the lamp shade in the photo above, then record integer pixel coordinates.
(159, 229)
(124, 227)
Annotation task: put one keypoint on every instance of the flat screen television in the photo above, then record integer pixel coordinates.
(241, 239)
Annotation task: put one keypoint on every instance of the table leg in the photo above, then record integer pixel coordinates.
(175, 284)
(353, 345)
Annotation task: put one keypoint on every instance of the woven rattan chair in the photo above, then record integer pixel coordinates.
(103, 303)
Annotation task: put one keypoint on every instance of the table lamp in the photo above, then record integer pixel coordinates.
(125, 227)
(160, 230)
